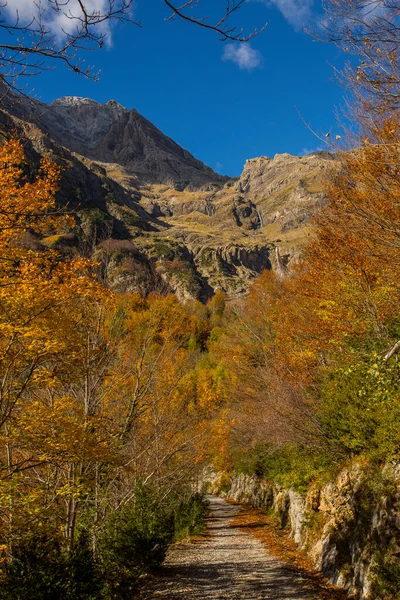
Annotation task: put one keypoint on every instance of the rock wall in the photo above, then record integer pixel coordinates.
(350, 527)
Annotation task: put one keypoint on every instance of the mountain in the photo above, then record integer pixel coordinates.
(155, 217)
(112, 134)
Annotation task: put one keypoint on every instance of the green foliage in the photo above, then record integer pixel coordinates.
(360, 408)
(192, 344)
(135, 540)
(84, 575)
(190, 517)
(94, 216)
(290, 465)
(215, 335)
(92, 219)
(110, 198)
(127, 215)
(37, 568)
(40, 570)
(385, 576)
(315, 522)
(166, 250)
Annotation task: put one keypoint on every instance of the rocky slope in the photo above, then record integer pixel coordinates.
(112, 134)
(153, 215)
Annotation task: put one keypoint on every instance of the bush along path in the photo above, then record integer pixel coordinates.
(230, 563)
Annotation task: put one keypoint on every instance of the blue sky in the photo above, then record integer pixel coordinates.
(223, 102)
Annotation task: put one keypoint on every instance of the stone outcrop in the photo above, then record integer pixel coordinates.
(350, 527)
(264, 175)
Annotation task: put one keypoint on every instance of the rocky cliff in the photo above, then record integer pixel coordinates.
(153, 215)
(110, 133)
(349, 526)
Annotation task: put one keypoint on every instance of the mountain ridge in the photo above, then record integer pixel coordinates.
(156, 218)
(113, 134)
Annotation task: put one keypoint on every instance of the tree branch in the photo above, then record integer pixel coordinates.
(221, 27)
(393, 350)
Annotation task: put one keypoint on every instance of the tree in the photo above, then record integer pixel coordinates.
(33, 283)
(97, 392)
(269, 366)
(370, 31)
(45, 350)
(163, 405)
(38, 34)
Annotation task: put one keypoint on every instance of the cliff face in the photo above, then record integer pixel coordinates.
(153, 215)
(349, 527)
(110, 133)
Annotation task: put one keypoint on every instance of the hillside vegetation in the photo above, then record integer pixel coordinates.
(111, 403)
(115, 392)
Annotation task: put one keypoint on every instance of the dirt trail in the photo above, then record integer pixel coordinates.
(229, 564)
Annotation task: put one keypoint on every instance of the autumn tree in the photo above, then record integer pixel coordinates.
(33, 283)
(269, 369)
(164, 405)
(106, 402)
(369, 32)
(40, 343)
(330, 330)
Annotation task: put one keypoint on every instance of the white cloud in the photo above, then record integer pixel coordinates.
(296, 12)
(59, 22)
(243, 55)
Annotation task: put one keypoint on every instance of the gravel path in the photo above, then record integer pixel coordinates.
(229, 564)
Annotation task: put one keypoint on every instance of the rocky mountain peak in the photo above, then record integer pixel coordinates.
(110, 133)
(116, 105)
(78, 122)
(76, 101)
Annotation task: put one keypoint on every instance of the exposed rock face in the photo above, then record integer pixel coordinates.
(264, 175)
(112, 134)
(189, 230)
(284, 188)
(350, 526)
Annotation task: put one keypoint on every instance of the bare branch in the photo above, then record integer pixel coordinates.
(222, 26)
(370, 31)
(59, 30)
(55, 30)
(394, 350)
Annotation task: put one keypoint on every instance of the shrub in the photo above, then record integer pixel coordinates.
(360, 409)
(41, 570)
(385, 576)
(190, 517)
(290, 465)
(37, 571)
(83, 573)
(135, 541)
